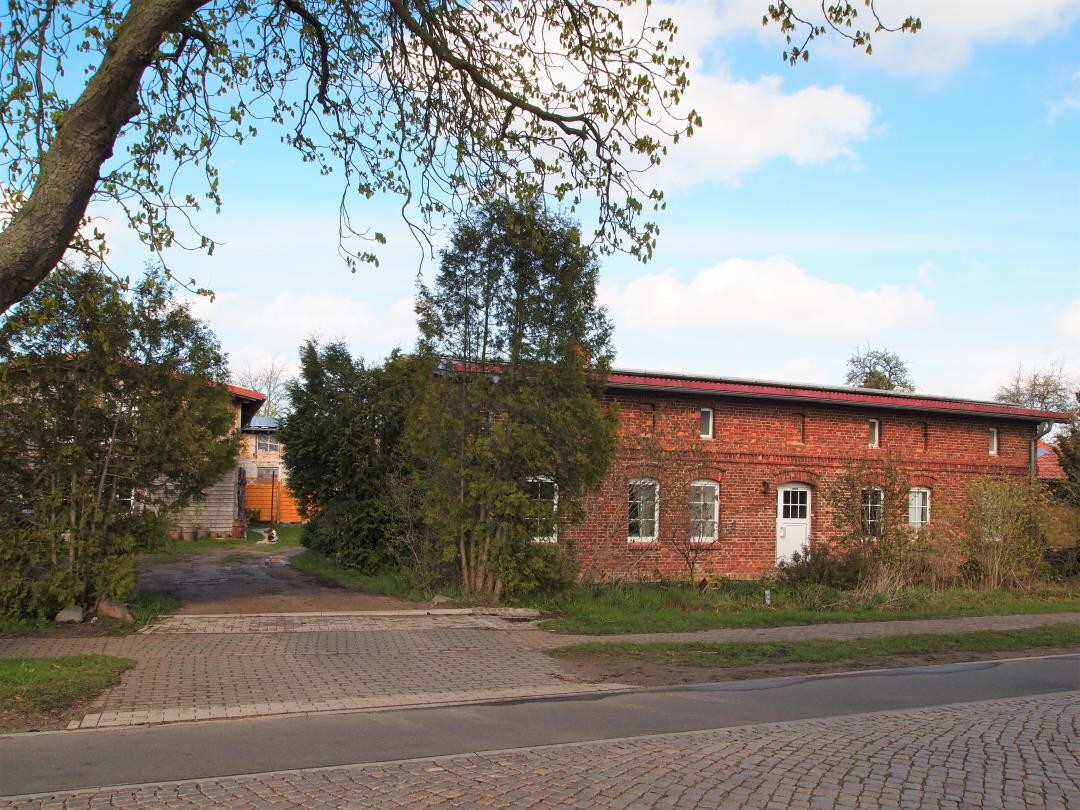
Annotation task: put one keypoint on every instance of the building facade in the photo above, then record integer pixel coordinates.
(754, 460)
(222, 509)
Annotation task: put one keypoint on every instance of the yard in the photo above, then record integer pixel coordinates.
(40, 693)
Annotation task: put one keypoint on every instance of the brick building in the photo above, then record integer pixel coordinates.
(756, 458)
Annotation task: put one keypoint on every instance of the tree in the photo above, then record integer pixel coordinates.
(444, 103)
(840, 18)
(878, 368)
(113, 414)
(1047, 389)
(340, 444)
(269, 380)
(511, 431)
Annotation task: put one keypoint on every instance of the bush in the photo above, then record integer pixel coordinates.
(351, 533)
(1063, 563)
(823, 565)
(1003, 532)
(32, 587)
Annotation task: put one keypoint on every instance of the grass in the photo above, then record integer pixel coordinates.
(147, 607)
(37, 685)
(390, 583)
(807, 651)
(288, 536)
(668, 607)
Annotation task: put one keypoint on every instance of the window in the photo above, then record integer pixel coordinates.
(873, 510)
(706, 423)
(993, 441)
(267, 443)
(704, 510)
(875, 433)
(266, 473)
(644, 506)
(794, 503)
(918, 507)
(544, 492)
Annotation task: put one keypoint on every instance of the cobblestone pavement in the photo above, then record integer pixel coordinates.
(1015, 753)
(245, 666)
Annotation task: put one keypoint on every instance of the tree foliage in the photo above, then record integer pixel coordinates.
(340, 445)
(523, 351)
(839, 18)
(880, 369)
(112, 415)
(442, 103)
(1046, 389)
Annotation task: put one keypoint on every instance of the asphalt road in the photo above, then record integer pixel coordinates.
(94, 758)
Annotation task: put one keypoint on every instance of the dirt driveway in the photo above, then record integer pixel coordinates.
(251, 581)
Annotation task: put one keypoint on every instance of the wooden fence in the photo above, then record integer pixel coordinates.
(271, 501)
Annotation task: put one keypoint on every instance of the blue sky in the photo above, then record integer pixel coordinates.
(925, 199)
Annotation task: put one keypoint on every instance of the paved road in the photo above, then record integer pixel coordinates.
(1007, 753)
(256, 580)
(66, 760)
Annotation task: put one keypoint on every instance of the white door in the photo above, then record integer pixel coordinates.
(792, 520)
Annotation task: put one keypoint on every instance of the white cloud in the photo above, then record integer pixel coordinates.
(924, 273)
(774, 296)
(747, 123)
(1068, 324)
(952, 29)
(254, 330)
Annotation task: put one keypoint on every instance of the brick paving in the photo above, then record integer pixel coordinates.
(209, 667)
(1022, 752)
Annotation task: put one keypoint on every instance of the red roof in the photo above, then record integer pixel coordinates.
(866, 397)
(246, 393)
(1049, 462)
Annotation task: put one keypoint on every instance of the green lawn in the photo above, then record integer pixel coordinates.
(749, 653)
(391, 583)
(667, 607)
(36, 685)
(288, 536)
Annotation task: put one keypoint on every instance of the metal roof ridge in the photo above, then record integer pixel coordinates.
(900, 396)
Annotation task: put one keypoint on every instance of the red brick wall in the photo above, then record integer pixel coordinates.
(759, 444)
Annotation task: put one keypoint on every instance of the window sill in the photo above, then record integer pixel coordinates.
(545, 541)
(641, 541)
(702, 541)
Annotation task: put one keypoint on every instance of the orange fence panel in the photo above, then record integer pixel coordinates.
(271, 502)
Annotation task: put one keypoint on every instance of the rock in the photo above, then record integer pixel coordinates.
(439, 599)
(72, 614)
(111, 609)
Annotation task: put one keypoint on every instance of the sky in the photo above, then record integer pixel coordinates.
(925, 199)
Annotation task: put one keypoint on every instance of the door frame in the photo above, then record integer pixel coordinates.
(793, 485)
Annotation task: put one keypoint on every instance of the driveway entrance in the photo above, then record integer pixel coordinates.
(255, 580)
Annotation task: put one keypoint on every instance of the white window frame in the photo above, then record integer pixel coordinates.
(993, 449)
(715, 485)
(867, 508)
(271, 442)
(656, 511)
(912, 494)
(874, 428)
(554, 537)
(712, 417)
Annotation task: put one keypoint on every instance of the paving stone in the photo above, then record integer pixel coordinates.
(697, 769)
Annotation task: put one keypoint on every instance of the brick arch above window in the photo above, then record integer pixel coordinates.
(795, 476)
(921, 480)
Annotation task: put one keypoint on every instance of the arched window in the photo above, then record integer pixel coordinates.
(644, 510)
(704, 510)
(918, 509)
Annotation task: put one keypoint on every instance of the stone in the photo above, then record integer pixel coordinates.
(439, 599)
(72, 614)
(111, 609)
